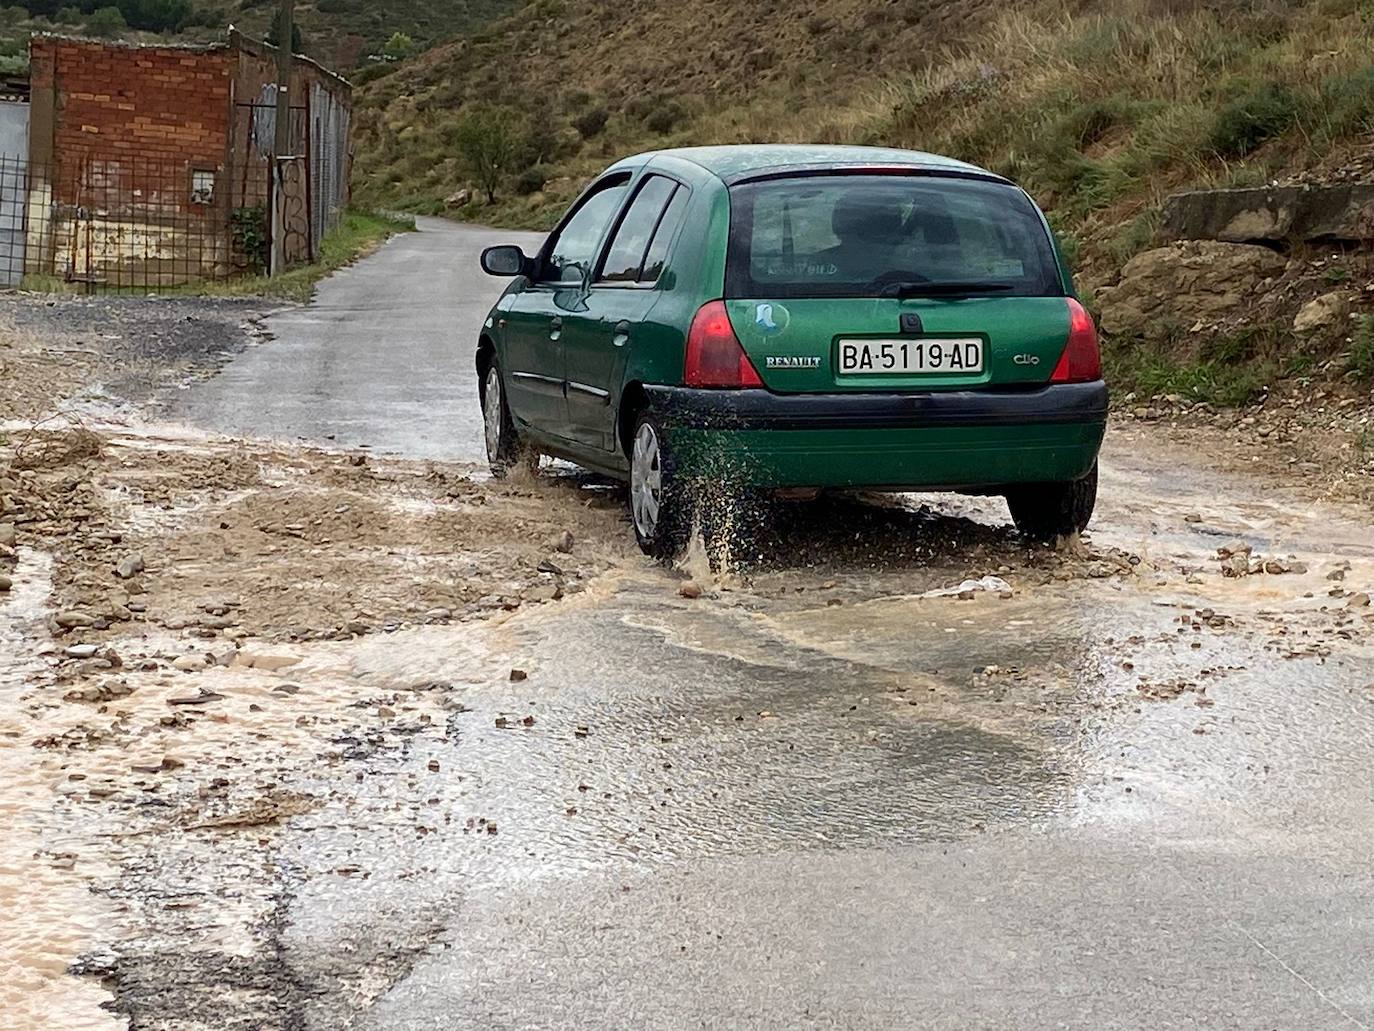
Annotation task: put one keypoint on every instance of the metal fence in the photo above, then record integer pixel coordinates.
(330, 131)
(132, 224)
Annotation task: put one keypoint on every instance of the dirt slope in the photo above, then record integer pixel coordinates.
(597, 77)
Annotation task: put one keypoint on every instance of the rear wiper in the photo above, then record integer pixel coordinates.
(945, 289)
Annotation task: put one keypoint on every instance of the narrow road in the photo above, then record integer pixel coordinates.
(381, 359)
(817, 799)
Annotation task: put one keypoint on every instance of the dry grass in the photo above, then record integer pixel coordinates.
(57, 442)
(1099, 115)
(1100, 110)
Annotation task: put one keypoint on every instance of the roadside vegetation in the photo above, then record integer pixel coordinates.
(358, 235)
(1228, 371)
(1100, 110)
(1361, 359)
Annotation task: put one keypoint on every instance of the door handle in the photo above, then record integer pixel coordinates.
(622, 334)
(556, 327)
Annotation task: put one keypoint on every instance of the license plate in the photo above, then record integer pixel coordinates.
(910, 357)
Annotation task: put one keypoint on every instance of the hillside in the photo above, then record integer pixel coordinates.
(1095, 107)
(1102, 110)
(344, 34)
(591, 79)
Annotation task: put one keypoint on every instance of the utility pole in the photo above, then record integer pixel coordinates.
(286, 21)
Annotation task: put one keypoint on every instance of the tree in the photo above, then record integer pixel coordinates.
(399, 47)
(106, 21)
(156, 15)
(274, 35)
(489, 140)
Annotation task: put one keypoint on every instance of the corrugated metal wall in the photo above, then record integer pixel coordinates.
(329, 129)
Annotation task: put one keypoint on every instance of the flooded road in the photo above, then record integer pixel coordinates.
(377, 745)
(1127, 797)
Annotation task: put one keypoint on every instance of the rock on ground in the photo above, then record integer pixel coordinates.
(1185, 283)
(1324, 311)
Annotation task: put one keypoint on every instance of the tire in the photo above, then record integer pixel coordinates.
(659, 499)
(504, 448)
(1048, 511)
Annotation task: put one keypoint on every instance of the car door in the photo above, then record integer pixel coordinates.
(540, 316)
(621, 296)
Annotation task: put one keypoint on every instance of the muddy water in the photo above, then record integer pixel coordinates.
(48, 914)
(667, 732)
(815, 703)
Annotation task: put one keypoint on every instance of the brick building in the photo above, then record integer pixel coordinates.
(152, 166)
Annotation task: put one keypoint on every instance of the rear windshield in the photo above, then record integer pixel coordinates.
(887, 235)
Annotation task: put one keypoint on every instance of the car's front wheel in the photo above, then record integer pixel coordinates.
(658, 498)
(1048, 511)
(504, 448)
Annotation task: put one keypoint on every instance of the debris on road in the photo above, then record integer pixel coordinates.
(1238, 560)
(967, 589)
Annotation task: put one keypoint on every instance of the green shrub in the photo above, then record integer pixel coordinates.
(399, 46)
(1299, 363)
(106, 21)
(591, 121)
(156, 15)
(1256, 115)
(1244, 345)
(274, 34)
(1361, 361)
(531, 180)
(489, 141)
(1347, 103)
(1090, 122)
(664, 118)
(248, 227)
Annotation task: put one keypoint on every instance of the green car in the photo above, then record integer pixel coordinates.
(799, 317)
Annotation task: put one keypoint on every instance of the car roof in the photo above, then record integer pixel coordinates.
(747, 161)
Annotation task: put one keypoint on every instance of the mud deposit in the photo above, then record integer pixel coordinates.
(271, 713)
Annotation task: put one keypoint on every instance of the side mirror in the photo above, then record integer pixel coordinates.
(505, 261)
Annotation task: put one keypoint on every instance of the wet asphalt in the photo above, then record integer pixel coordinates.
(382, 359)
(762, 810)
(755, 832)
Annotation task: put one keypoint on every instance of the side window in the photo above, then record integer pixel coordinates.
(572, 254)
(625, 256)
(657, 255)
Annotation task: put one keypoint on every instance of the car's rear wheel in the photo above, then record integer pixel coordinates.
(1048, 511)
(504, 448)
(658, 497)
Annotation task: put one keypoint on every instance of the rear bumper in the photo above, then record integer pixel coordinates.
(957, 440)
(1053, 405)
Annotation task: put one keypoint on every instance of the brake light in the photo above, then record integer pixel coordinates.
(1082, 361)
(715, 357)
